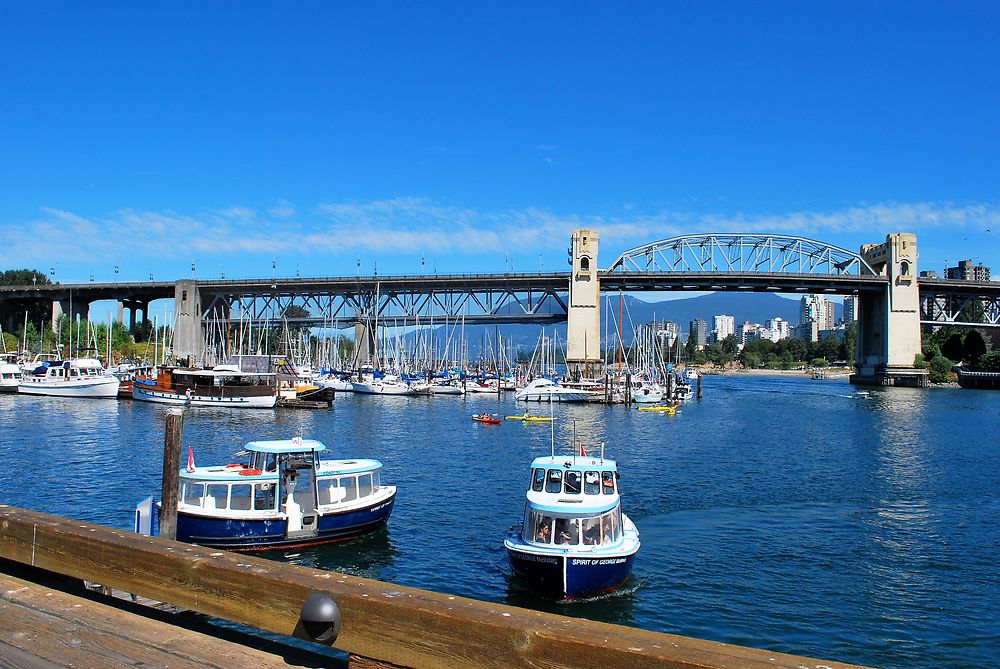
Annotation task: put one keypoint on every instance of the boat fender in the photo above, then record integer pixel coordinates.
(250, 472)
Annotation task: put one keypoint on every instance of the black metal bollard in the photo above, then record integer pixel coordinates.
(320, 620)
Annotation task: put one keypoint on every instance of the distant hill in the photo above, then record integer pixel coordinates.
(752, 307)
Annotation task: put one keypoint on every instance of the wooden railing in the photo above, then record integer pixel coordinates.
(382, 623)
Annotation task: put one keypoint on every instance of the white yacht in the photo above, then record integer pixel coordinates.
(10, 373)
(76, 377)
(544, 390)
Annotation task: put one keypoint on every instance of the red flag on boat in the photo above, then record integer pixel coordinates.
(190, 460)
(583, 453)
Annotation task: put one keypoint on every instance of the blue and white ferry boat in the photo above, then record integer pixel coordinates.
(574, 539)
(284, 495)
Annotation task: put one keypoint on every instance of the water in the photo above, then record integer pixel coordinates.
(787, 514)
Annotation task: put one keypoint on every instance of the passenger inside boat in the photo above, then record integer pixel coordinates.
(586, 531)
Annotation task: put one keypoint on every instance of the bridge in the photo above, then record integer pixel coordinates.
(893, 300)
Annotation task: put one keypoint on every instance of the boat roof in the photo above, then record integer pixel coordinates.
(294, 445)
(575, 462)
(326, 468)
(221, 370)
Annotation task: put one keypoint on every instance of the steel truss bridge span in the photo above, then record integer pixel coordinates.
(742, 253)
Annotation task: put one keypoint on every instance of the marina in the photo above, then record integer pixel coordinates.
(776, 512)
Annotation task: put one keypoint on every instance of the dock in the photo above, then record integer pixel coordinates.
(383, 624)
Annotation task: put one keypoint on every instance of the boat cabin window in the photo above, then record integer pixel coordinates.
(554, 481)
(592, 483)
(217, 496)
(364, 485)
(350, 486)
(572, 484)
(241, 500)
(567, 531)
(192, 493)
(538, 479)
(603, 529)
(376, 479)
(263, 496)
(608, 482)
(538, 528)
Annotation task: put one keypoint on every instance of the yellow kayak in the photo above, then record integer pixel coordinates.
(666, 409)
(530, 419)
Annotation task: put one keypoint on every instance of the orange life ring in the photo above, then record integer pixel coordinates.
(251, 472)
(235, 465)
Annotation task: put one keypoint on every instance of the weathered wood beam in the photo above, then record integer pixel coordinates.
(381, 621)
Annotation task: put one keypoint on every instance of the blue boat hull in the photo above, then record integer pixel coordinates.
(571, 575)
(270, 533)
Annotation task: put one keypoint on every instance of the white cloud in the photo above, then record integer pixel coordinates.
(413, 225)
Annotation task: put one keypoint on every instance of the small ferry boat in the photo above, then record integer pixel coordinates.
(76, 377)
(221, 386)
(283, 495)
(574, 539)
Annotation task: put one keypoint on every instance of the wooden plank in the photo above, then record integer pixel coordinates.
(45, 627)
(395, 624)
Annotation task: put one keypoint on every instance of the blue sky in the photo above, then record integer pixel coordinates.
(477, 135)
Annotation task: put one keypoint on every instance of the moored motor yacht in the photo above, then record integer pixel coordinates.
(222, 386)
(75, 377)
(544, 390)
(10, 373)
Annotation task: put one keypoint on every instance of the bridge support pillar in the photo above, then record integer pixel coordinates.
(57, 312)
(889, 322)
(364, 344)
(189, 341)
(583, 326)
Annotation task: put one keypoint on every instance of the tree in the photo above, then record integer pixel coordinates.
(751, 360)
(940, 370)
(989, 362)
(690, 348)
(849, 348)
(37, 310)
(715, 354)
(828, 349)
(730, 346)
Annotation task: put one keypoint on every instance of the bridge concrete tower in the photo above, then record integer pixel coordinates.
(889, 321)
(188, 335)
(583, 327)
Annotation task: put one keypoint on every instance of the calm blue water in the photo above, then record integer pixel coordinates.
(787, 514)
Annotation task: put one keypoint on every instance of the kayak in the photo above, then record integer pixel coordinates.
(669, 410)
(530, 419)
(486, 419)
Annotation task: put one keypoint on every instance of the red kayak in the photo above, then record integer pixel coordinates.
(486, 419)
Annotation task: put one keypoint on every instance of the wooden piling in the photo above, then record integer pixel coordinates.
(699, 385)
(171, 473)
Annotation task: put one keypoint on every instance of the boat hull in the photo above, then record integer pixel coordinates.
(570, 575)
(104, 388)
(381, 389)
(556, 397)
(233, 534)
(150, 394)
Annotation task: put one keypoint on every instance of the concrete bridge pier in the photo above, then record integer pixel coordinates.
(69, 307)
(189, 339)
(583, 326)
(137, 312)
(889, 321)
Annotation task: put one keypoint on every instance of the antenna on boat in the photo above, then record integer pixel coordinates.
(602, 452)
(574, 438)
(552, 428)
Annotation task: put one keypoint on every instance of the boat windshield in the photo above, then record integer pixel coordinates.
(573, 481)
(543, 528)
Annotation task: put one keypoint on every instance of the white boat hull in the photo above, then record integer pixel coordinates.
(161, 397)
(566, 396)
(377, 388)
(104, 387)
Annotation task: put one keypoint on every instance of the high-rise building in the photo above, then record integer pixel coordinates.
(699, 332)
(776, 329)
(666, 332)
(748, 332)
(966, 271)
(723, 326)
(850, 308)
(816, 309)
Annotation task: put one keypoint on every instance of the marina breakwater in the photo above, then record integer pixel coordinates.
(787, 514)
